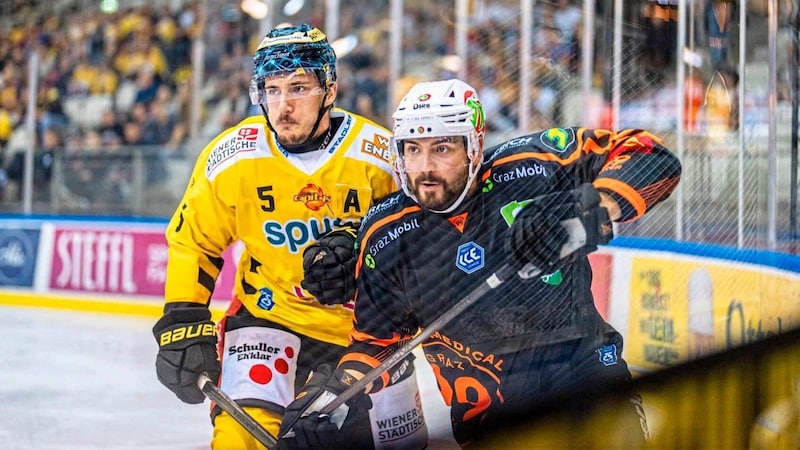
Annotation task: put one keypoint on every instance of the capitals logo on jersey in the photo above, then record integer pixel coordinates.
(312, 196)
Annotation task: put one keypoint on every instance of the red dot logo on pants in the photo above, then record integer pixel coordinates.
(263, 374)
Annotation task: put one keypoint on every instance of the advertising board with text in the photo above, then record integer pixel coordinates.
(123, 261)
(681, 309)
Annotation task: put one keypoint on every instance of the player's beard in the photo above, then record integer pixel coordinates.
(445, 194)
(295, 135)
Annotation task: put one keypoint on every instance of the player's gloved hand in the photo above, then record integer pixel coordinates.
(537, 236)
(187, 346)
(346, 428)
(329, 267)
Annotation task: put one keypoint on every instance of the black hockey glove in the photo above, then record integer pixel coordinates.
(187, 346)
(329, 267)
(347, 427)
(536, 236)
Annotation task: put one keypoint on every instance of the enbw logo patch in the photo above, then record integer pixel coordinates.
(469, 257)
(608, 354)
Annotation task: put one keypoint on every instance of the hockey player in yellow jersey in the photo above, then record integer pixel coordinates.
(292, 185)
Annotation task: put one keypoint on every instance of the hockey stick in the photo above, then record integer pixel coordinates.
(231, 407)
(577, 240)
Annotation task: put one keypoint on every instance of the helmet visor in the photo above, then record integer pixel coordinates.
(431, 153)
(275, 87)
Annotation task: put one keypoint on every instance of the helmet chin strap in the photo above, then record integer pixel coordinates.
(473, 172)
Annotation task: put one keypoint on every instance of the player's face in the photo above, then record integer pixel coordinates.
(293, 103)
(437, 169)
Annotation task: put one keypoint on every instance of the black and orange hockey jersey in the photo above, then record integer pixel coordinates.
(414, 265)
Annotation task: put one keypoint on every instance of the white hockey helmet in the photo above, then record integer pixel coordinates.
(438, 109)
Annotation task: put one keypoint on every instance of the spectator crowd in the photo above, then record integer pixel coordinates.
(116, 87)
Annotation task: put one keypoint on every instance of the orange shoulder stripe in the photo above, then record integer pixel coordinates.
(360, 336)
(367, 360)
(626, 191)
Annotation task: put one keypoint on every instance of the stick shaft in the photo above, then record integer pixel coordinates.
(239, 415)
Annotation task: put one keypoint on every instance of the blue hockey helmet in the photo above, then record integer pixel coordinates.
(292, 50)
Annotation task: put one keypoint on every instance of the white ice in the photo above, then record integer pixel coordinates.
(80, 380)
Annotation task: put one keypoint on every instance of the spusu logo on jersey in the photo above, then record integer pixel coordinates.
(312, 196)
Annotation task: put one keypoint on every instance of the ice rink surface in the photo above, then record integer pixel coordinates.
(76, 380)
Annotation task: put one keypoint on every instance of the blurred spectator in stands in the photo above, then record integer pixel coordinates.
(544, 31)
(144, 143)
(105, 80)
(92, 142)
(182, 104)
(42, 166)
(43, 45)
(549, 79)
(61, 75)
(567, 20)
(95, 40)
(228, 108)
(787, 65)
(139, 113)
(722, 103)
(80, 169)
(172, 40)
(660, 23)
(486, 84)
(115, 176)
(718, 19)
(370, 83)
(693, 95)
(82, 76)
(73, 141)
(146, 85)
(137, 51)
(10, 116)
(133, 134)
(160, 126)
(109, 124)
(227, 98)
(50, 109)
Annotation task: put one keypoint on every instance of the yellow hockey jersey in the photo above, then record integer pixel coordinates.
(245, 187)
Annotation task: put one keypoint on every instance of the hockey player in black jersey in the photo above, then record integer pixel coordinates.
(463, 213)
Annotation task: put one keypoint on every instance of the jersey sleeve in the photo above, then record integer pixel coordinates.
(199, 231)
(633, 166)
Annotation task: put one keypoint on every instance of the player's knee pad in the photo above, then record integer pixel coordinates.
(396, 416)
(229, 435)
